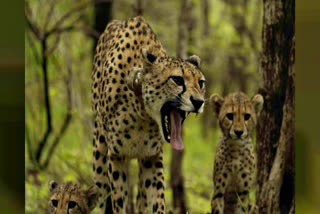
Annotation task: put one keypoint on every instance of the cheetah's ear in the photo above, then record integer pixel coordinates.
(134, 81)
(148, 57)
(216, 102)
(93, 194)
(195, 60)
(257, 102)
(52, 185)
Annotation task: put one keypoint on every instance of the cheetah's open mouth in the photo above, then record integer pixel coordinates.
(172, 119)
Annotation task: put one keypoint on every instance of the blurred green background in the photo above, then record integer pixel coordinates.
(75, 49)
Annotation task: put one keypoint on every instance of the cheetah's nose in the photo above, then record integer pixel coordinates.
(197, 103)
(238, 133)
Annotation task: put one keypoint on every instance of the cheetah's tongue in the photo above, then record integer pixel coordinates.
(175, 131)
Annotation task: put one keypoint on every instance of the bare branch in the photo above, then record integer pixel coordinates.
(81, 178)
(59, 29)
(67, 118)
(47, 100)
(58, 32)
(54, 46)
(29, 146)
(34, 29)
(32, 45)
(85, 29)
(75, 10)
(64, 127)
(89, 31)
(49, 16)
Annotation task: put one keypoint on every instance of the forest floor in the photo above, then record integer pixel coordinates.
(72, 162)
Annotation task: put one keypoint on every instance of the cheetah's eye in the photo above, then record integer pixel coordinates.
(71, 204)
(54, 203)
(177, 80)
(247, 116)
(230, 116)
(201, 83)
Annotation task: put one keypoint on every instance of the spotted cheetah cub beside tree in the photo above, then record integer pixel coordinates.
(234, 165)
(69, 198)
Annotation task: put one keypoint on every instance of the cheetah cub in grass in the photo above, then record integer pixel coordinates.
(69, 198)
(234, 164)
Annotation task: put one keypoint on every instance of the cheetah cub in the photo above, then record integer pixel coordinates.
(69, 198)
(234, 164)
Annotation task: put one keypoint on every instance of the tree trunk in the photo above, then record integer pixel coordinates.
(275, 129)
(176, 178)
(177, 182)
(207, 58)
(182, 42)
(138, 7)
(102, 16)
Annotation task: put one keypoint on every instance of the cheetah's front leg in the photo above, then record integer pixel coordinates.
(117, 173)
(221, 182)
(244, 185)
(150, 197)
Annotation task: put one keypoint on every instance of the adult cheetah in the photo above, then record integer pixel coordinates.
(141, 97)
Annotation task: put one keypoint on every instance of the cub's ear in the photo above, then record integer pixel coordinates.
(93, 194)
(134, 80)
(216, 101)
(257, 102)
(195, 60)
(52, 185)
(148, 58)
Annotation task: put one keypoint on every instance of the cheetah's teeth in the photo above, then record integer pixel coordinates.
(166, 123)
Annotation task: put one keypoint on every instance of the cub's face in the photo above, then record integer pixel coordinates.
(69, 198)
(237, 114)
(171, 88)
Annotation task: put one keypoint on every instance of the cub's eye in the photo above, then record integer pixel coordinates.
(71, 204)
(201, 83)
(54, 203)
(247, 116)
(178, 80)
(230, 116)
